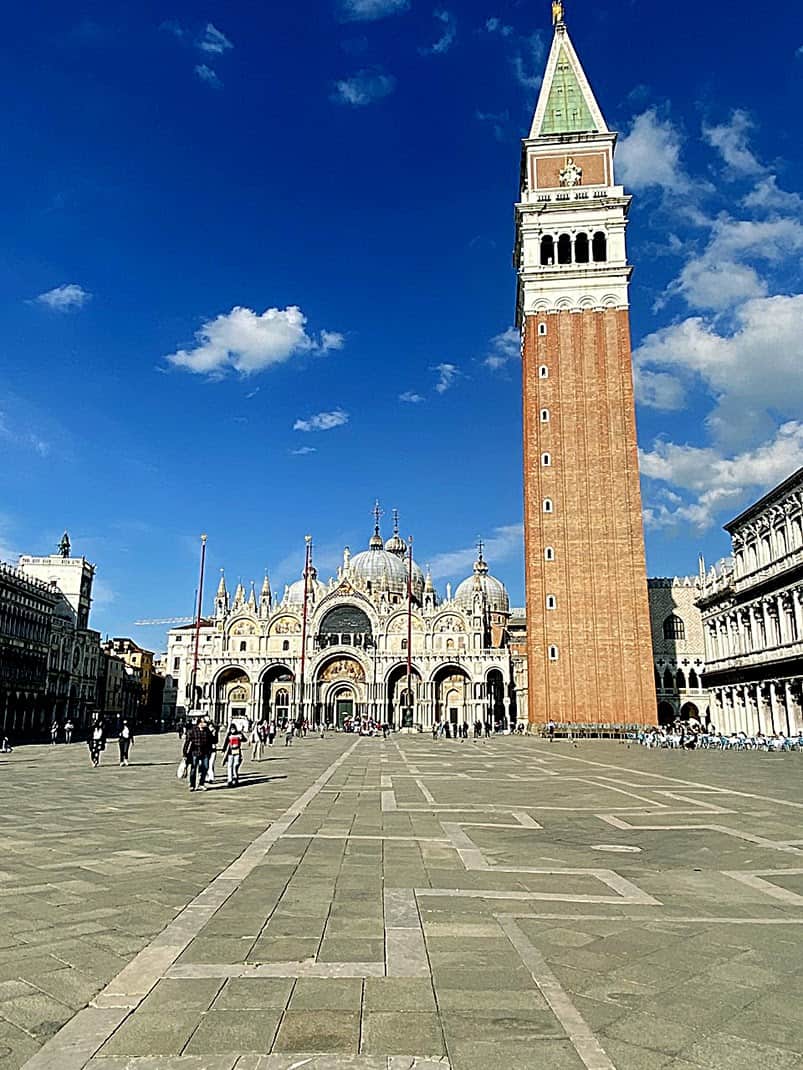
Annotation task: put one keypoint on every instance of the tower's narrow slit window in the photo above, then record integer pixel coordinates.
(599, 247)
(551, 602)
(553, 653)
(543, 372)
(542, 330)
(547, 505)
(544, 416)
(549, 553)
(546, 460)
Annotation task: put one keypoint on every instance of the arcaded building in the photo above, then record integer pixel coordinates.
(752, 609)
(678, 649)
(588, 625)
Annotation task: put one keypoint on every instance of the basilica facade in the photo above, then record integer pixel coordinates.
(376, 641)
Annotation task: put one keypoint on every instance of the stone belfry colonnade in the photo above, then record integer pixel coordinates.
(589, 647)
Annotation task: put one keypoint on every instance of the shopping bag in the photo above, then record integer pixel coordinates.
(181, 772)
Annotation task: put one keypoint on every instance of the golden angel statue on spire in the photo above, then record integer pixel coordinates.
(557, 12)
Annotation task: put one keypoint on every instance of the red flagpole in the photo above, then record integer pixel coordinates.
(307, 568)
(198, 622)
(410, 621)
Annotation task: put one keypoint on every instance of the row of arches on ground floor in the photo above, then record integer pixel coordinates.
(669, 712)
(28, 715)
(341, 691)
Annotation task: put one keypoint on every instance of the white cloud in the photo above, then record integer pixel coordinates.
(303, 451)
(504, 347)
(410, 397)
(495, 25)
(752, 370)
(213, 40)
(65, 298)
(208, 76)
(447, 374)
(447, 37)
(714, 482)
(322, 421)
(719, 279)
(731, 141)
(767, 195)
(370, 10)
(22, 437)
(497, 121)
(648, 156)
(363, 88)
(506, 542)
(528, 61)
(248, 342)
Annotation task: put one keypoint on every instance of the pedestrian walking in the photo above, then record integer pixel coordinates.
(210, 772)
(259, 737)
(233, 755)
(124, 741)
(271, 731)
(54, 733)
(69, 727)
(198, 742)
(5, 746)
(96, 743)
(289, 733)
(550, 728)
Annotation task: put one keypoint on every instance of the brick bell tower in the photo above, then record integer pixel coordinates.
(588, 629)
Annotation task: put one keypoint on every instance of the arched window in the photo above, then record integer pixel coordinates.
(674, 628)
(669, 680)
(547, 505)
(581, 249)
(404, 644)
(681, 680)
(285, 644)
(564, 249)
(549, 553)
(542, 329)
(553, 653)
(543, 372)
(599, 247)
(551, 602)
(544, 416)
(450, 644)
(546, 460)
(657, 681)
(243, 644)
(547, 250)
(694, 681)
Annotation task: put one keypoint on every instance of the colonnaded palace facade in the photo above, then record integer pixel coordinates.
(464, 663)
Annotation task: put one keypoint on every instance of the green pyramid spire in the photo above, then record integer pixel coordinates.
(567, 111)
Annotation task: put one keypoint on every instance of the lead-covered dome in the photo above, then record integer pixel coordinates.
(295, 592)
(494, 590)
(384, 566)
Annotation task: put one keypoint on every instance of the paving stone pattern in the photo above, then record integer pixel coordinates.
(388, 905)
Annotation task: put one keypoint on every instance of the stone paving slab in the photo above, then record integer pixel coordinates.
(403, 905)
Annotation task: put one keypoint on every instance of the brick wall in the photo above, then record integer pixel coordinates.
(601, 623)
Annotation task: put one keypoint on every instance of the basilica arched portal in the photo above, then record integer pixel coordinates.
(341, 691)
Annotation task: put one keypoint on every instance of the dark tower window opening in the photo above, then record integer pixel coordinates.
(599, 247)
(581, 249)
(564, 249)
(547, 250)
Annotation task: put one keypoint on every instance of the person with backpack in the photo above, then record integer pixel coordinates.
(198, 742)
(233, 755)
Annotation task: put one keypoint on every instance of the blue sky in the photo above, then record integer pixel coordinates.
(256, 271)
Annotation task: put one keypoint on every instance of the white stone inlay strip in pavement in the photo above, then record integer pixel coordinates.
(753, 879)
(76, 1042)
(405, 949)
(192, 971)
(579, 1033)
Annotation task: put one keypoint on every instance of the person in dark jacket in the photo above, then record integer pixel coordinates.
(198, 743)
(96, 743)
(124, 742)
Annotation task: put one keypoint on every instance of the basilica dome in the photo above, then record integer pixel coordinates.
(386, 568)
(494, 590)
(294, 595)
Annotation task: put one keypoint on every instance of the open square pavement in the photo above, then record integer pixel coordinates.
(386, 905)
